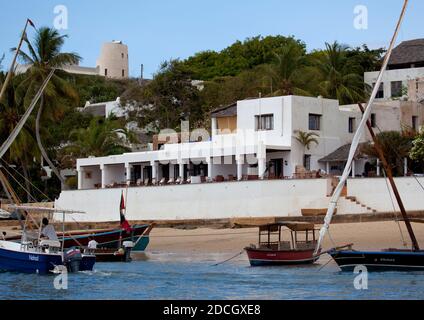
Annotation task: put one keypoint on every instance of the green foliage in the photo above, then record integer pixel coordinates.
(417, 151)
(238, 57)
(396, 146)
(306, 139)
(170, 97)
(342, 76)
(96, 89)
(103, 137)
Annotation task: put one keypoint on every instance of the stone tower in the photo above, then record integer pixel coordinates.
(113, 60)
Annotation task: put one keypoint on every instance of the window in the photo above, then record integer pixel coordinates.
(105, 72)
(123, 56)
(307, 162)
(265, 122)
(123, 73)
(396, 89)
(380, 93)
(352, 125)
(315, 122)
(373, 120)
(415, 123)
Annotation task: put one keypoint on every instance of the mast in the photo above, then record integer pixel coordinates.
(358, 135)
(12, 66)
(389, 173)
(9, 141)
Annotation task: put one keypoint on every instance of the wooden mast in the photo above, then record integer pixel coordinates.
(392, 183)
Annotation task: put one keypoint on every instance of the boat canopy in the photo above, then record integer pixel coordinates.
(293, 226)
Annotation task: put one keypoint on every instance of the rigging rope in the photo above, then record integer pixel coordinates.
(405, 244)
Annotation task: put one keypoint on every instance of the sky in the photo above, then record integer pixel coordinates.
(159, 30)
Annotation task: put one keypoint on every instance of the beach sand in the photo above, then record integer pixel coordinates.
(366, 236)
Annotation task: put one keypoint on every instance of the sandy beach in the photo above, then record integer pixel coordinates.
(370, 235)
(366, 235)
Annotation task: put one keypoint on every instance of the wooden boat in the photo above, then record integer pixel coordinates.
(111, 238)
(389, 259)
(274, 251)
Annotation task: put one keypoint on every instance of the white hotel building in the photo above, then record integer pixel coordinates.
(240, 149)
(254, 142)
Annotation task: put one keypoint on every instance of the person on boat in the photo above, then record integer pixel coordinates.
(48, 230)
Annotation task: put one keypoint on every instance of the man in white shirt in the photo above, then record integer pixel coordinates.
(48, 231)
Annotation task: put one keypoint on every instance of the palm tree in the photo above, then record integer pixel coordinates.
(23, 147)
(44, 55)
(306, 139)
(341, 77)
(103, 137)
(396, 146)
(287, 73)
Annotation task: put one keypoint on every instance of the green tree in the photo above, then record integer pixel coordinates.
(103, 137)
(417, 151)
(395, 145)
(341, 77)
(307, 139)
(167, 100)
(23, 148)
(44, 54)
(289, 70)
(240, 56)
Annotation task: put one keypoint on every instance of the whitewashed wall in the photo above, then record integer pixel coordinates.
(205, 201)
(374, 193)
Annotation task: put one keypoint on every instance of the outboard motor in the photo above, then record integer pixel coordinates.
(128, 246)
(73, 259)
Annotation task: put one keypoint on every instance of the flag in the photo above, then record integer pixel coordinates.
(31, 23)
(124, 223)
(122, 208)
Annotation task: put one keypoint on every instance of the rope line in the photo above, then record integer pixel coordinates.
(228, 260)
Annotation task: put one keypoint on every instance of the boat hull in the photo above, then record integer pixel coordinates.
(379, 261)
(108, 238)
(27, 262)
(260, 258)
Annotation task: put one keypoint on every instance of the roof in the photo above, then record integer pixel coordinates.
(97, 110)
(342, 154)
(294, 226)
(228, 111)
(408, 52)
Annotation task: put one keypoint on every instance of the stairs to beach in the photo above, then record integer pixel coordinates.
(352, 203)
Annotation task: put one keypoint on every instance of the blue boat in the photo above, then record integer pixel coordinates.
(43, 259)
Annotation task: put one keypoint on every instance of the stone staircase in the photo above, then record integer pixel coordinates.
(352, 203)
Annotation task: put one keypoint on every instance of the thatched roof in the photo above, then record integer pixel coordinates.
(408, 52)
(342, 153)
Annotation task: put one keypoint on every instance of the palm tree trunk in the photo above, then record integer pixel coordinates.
(40, 144)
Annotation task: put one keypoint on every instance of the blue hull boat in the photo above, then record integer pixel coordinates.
(17, 258)
(13, 259)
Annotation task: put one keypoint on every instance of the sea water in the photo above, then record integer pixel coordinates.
(195, 276)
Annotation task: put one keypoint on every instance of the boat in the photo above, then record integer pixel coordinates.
(36, 255)
(347, 258)
(33, 254)
(113, 245)
(275, 250)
